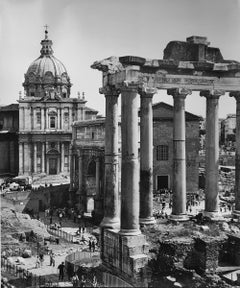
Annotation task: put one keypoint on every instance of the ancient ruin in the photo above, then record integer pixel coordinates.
(186, 66)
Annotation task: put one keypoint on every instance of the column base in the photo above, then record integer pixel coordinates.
(147, 221)
(179, 218)
(214, 216)
(111, 223)
(125, 256)
(130, 232)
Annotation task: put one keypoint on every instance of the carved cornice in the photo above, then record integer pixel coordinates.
(110, 65)
(213, 94)
(179, 92)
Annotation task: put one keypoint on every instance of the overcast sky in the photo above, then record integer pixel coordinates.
(84, 31)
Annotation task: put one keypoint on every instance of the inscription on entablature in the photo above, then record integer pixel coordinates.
(184, 81)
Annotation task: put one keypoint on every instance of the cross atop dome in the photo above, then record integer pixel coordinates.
(46, 31)
(46, 44)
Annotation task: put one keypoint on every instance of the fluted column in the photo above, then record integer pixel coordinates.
(212, 152)
(146, 157)
(236, 211)
(130, 163)
(179, 154)
(35, 157)
(111, 199)
(43, 157)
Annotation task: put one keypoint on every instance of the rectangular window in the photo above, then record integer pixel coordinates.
(162, 152)
(38, 114)
(52, 122)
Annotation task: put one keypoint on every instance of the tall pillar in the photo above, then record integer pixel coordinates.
(58, 118)
(111, 200)
(236, 211)
(42, 119)
(47, 119)
(212, 152)
(70, 118)
(20, 158)
(43, 157)
(179, 154)
(80, 173)
(35, 157)
(62, 157)
(146, 157)
(97, 176)
(130, 163)
(71, 169)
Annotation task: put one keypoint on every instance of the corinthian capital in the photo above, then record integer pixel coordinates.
(147, 92)
(109, 90)
(179, 92)
(214, 94)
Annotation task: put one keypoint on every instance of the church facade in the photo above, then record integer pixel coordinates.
(46, 113)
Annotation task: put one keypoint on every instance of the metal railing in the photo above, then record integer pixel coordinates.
(30, 279)
(60, 233)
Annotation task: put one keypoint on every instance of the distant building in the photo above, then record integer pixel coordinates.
(9, 140)
(46, 113)
(87, 176)
(229, 126)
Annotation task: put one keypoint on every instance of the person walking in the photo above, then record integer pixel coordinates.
(61, 270)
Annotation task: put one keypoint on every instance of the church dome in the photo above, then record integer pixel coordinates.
(47, 73)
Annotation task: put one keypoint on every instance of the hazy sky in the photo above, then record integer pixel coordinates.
(84, 31)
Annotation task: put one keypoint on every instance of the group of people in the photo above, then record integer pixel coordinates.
(73, 276)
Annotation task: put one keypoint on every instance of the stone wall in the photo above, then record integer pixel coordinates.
(201, 254)
(163, 135)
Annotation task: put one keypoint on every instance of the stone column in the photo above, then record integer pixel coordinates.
(42, 119)
(35, 157)
(97, 176)
(179, 154)
(62, 157)
(130, 163)
(212, 153)
(146, 157)
(58, 118)
(80, 172)
(70, 118)
(236, 211)
(111, 200)
(20, 158)
(43, 157)
(71, 168)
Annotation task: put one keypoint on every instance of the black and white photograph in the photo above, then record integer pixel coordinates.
(120, 143)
